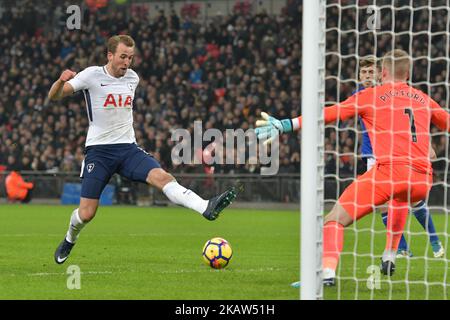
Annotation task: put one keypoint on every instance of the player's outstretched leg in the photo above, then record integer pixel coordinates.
(403, 249)
(423, 215)
(176, 193)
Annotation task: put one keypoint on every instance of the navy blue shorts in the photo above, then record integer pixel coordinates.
(102, 161)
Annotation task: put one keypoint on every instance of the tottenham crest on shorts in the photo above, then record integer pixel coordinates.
(90, 167)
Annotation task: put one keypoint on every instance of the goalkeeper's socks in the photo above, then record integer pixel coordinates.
(184, 197)
(403, 245)
(397, 216)
(75, 227)
(423, 215)
(328, 273)
(333, 240)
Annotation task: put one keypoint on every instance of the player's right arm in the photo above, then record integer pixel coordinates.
(61, 88)
(269, 128)
(349, 108)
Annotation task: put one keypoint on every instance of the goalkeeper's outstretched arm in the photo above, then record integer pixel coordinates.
(330, 114)
(269, 128)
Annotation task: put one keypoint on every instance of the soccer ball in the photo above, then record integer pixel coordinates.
(217, 253)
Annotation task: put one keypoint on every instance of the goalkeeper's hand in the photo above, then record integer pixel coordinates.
(269, 128)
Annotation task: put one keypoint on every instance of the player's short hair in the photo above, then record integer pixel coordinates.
(369, 61)
(398, 62)
(114, 41)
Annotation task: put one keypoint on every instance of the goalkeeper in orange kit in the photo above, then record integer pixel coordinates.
(397, 118)
(369, 76)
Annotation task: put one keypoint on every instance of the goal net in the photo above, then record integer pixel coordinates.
(355, 30)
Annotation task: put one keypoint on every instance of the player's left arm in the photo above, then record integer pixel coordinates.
(439, 116)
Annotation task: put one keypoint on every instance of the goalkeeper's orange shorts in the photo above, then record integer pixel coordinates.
(383, 183)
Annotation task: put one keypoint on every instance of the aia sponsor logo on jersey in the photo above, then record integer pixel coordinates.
(118, 101)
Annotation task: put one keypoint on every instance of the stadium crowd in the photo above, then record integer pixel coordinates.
(223, 72)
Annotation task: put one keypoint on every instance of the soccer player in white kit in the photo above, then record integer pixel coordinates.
(111, 145)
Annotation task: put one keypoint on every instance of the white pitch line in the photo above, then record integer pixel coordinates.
(44, 274)
(213, 270)
(29, 235)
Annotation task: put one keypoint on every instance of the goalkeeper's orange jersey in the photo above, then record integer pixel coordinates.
(397, 118)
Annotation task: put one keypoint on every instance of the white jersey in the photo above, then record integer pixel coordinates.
(109, 103)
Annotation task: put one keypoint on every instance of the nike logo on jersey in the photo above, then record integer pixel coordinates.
(104, 85)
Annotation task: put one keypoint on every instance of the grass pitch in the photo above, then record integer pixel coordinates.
(155, 253)
(148, 253)
(417, 278)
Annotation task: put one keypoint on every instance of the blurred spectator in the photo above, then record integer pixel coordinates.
(17, 189)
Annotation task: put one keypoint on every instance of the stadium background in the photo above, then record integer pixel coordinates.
(221, 62)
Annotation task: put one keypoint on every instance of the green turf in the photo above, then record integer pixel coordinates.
(148, 253)
(155, 253)
(418, 278)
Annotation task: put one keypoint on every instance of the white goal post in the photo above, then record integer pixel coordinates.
(312, 149)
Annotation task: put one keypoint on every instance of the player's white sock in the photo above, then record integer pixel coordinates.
(389, 255)
(184, 197)
(329, 273)
(75, 226)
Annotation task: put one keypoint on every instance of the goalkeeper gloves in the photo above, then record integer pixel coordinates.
(269, 128)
